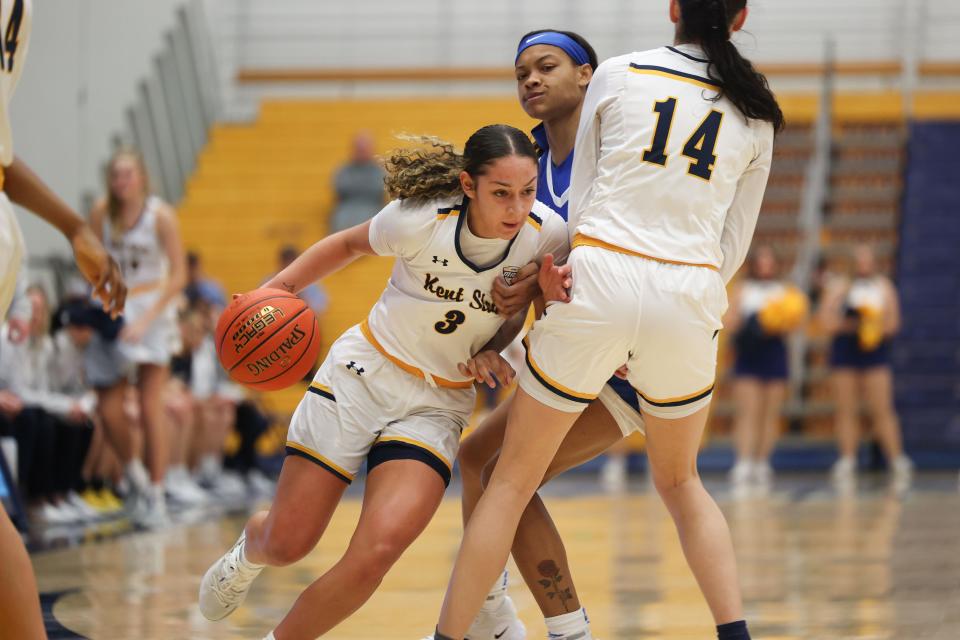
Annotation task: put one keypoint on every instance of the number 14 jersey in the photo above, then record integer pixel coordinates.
(437, 309)
(664, 168)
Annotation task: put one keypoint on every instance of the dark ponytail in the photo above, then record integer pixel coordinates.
(707, 23)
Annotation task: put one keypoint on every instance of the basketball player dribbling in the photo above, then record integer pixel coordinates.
(397, 390)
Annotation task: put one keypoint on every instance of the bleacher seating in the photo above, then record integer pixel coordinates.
(926, 355)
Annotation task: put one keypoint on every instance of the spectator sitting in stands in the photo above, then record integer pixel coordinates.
(50, 421)
(358, 186)
(76, 322)
(199, 286)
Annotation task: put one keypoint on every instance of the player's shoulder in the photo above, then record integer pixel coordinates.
(426, 209)
(542, 216)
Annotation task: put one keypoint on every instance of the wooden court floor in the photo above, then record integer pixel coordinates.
(813, 565)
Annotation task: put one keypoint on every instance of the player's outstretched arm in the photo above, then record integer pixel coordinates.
(325, 257)
(25, 188)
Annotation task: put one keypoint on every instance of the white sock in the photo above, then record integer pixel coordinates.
(270, 636)
(248, 564)
(496, 594)
(570, 626)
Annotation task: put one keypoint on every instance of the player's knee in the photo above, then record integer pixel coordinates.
(673, 484)
(472, 457)
(487, 472)
(377, 558)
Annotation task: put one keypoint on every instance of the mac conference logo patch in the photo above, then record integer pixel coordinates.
(510, 274)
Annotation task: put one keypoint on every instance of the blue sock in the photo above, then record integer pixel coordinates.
(733, 631)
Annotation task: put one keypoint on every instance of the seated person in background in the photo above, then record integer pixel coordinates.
(52, 424)
(199, 286)
(358, 185)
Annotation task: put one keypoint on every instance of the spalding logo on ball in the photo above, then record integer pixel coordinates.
(267, 339)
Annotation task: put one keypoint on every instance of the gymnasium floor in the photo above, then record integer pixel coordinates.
(813, 565)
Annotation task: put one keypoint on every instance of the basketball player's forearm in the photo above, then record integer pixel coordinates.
(506, 334)
(25, 188)
(325, 257)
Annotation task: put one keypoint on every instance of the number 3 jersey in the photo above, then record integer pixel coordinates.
(664, 168)
(437, 309)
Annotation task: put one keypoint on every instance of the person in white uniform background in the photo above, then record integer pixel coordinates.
(862, 314)
(672, 159)
(141, 233)
(19, 604)
(763, 311)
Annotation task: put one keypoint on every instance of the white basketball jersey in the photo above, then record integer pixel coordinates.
(867, 292)
(756, 294)
(15, 37)
(437, 309)
(138, 251)
(662, 170)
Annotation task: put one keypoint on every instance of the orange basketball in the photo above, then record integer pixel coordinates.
(267, 339)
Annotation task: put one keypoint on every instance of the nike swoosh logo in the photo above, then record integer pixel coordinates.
(499, 635)
(529, 40)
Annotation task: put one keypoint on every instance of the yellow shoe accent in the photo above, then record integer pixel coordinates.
(93, 499)
(110, 501)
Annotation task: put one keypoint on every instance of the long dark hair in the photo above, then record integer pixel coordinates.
(707, 22)
(433, 170)
(576, 37)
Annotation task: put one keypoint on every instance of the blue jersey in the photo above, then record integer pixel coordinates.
(553, 190)
(553, 182)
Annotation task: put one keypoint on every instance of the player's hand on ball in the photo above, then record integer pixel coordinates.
(488, 367)
(555, 282)
(511, 298)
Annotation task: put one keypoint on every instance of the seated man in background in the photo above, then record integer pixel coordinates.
(358, 186)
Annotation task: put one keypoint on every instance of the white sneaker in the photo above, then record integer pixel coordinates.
(844, 471)
(763, 474)
(502, 624)
(86, 512)
(613, 474)
(183, 490)
(152, 512)
(224, 587)
(902, 472)
(228, 485)
(740, 478)
(48, 514)
(260, 484)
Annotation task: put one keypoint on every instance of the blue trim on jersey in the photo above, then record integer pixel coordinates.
(674, 72)
(687, 55)
(560, 173)
(456, 241)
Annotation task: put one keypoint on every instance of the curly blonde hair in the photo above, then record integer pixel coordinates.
(430, 170)
(433, 169)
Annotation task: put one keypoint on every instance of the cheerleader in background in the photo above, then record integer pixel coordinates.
(763, 311)
(863, 315)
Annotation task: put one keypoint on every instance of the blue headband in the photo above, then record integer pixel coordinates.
(570, 46)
